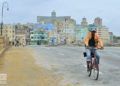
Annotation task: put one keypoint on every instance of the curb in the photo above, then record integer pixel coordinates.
(3, 51)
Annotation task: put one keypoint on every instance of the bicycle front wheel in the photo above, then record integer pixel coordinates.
(95, 71)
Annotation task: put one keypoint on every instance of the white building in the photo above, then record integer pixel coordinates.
(9, 32)
(103, 32)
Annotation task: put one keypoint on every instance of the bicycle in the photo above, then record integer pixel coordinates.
(93, 65)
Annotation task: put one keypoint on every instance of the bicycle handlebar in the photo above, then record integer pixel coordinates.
(95, 48)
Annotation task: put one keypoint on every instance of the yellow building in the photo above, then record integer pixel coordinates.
(22, 33)
(9, 32)
(103, 32)
(13, 32)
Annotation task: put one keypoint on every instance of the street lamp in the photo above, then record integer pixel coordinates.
(3, 5)
(65, 30)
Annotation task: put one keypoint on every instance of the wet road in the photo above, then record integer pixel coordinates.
(70, 63)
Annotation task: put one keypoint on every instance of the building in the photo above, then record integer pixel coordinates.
(69, 31)
(38, 37)
(98, 21)
(38, 34)
(9, 33)
(81, 31)
(103, 32)
(111, 37)
(22, 34)
(84, 22)
(64, 26)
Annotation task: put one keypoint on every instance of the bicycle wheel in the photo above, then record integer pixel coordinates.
(90, 69)
(95, 71)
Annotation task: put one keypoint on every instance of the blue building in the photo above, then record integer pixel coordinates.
(80, 33)
(39, 33)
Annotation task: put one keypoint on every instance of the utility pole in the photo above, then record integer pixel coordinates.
(3, 5)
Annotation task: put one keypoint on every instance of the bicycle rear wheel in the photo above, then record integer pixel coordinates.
(90, 69)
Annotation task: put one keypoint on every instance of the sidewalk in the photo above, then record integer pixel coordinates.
(19, 65)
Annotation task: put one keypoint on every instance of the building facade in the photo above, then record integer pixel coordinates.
(98, 21)
(81, 31)
(38, 34)
(84, 22)
(38, 38)
(111, 38)
(103, 32)
(64, 26)
(22, 34)
(9, 33)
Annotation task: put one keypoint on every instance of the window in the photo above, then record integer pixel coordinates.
(38, 37)
(31, 32)
(42, 37)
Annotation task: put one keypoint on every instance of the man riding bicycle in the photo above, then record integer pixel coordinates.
(92, 40)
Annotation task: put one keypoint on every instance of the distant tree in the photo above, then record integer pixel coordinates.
(118, 37)
(114, 38)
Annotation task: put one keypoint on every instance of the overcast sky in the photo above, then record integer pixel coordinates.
(24, 11)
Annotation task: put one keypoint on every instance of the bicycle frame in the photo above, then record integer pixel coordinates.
(93, 65)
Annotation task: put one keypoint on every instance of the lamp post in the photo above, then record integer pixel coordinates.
(3, 5)
(65, 31)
